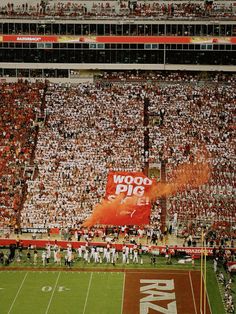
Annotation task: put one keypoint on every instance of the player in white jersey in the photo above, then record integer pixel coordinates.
(108, 256)
(96, 256)
(92, 253)
(113, 255)
(44, 256)
(86, 255)
(104, 253)
(79, 251)
(124, 254)
(135, 256)
(127, 254)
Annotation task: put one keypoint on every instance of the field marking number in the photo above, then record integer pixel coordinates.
(46, 288)
(59, 289)
(62, 288)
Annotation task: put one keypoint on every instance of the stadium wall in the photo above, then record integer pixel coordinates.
(118, 66)
(161, 249)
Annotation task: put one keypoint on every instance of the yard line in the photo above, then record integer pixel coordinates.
(50, 301)
(184, 272)
(191, 284)
(17, 293)
(89, 285)
(123, 293)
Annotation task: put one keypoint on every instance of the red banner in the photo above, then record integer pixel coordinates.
(118, 39)
(54, 231)
(129, 193)
(29, 38)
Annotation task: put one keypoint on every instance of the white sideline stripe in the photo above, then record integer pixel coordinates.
(191, 284)
(185, 272)
(50, 301)
(89, 285)
(123, 294)
(17, 293)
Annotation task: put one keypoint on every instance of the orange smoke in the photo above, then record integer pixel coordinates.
(185, 177)
(108, 211)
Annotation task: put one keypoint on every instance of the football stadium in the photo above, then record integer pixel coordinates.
(117, 156)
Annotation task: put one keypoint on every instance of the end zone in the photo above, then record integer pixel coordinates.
(169, 292)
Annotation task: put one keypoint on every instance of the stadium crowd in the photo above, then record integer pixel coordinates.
(226, 286)
(186, 118)
(88, 131)
(79, 145)
(101, 9)
(132, 76)
(20, 103)
(93, 128)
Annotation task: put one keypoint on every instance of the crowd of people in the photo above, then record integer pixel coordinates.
(20, 103)
(81, 143)
(187, 118)
(89, 130)
(228, 293)
(93, 128)
(55, 255)
(135, 76)
(158, 9)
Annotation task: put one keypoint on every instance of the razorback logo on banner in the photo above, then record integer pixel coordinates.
(118, 39)
(132, 189)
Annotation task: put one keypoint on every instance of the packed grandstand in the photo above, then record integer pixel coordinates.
(160, 9)
(59, 143)
(117, 136)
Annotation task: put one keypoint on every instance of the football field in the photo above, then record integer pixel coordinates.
(100, 292)
(36, 292)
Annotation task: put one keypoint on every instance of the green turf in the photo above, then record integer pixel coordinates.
(106, 292)
(213, 291)
(9, 285)
(60, 292)
(70, 293)
(31, 299)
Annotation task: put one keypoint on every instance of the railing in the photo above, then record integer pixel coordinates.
(118, 17)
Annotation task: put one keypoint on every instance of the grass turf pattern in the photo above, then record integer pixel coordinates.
(85, 292)
(38, 292)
